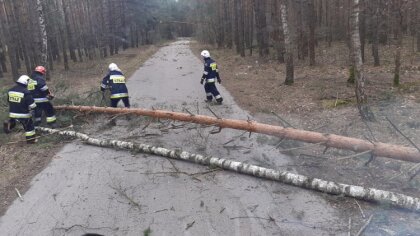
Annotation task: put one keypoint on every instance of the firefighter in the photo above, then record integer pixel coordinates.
(42, 96)
(21, 103)
(115, 82)
(210, 75)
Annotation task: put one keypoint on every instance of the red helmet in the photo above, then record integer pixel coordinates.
(40, 69)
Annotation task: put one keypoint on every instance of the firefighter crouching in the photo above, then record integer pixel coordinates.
(210, 75)
(115, 82)
(20, 105)
(42, 96)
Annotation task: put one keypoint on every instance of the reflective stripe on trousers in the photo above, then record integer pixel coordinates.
(119, 95)
(20, 115)
(38, 100)
(51, 119)
(30, 133)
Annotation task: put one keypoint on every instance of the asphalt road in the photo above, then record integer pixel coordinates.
(87, 189)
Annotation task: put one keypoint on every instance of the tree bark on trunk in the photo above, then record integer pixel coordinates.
(278, 37)
(375, 34)
(11, 34)
(399, 39)
(229, 22)
(330, 187)
(63, 36)
(288, 45)
(362, 23)
(21, 39)
(43, 30)
(69, 34)
(260, 7)
(328, 140)
(312, 24)
(237, 12)
(358, 65)
(418, 24)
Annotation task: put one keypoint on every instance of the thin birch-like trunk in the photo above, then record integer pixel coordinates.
(328, 140)
(288, 45)
(359, 192)
(360, 80)
(43, 28)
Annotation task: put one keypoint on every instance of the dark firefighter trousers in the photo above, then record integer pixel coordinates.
(27, 124)
(211, 91)
(49, 111)
(126, 101)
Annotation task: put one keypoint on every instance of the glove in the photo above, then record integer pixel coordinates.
(219, 80)
(50, 96)
(202, 81)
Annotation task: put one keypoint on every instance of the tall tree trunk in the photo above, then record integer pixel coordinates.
(418, 24)
(375, 33)
(399, 38)
(3, 58)
(44, 44)
(324, 186)
(362, 28)
(220, 24)
(22, 40)
(43, 29)
(69, 34)
(11, 33)
(378, 149)
(278, 31)
(288, 45)
(358, 65)
(328, 23)
(237, 12)
(312, 23)
(261, 26)
(241, 29)
(228, 23)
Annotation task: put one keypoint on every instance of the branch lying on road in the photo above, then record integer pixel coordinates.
(366, 194)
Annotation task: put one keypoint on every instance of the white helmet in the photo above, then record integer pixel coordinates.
(24, 79)
(113, 67)
(205, 53)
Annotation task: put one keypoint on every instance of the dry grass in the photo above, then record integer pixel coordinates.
(313, 85)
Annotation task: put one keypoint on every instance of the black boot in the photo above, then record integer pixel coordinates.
(219, 101)
(32, 140)
(52, 125)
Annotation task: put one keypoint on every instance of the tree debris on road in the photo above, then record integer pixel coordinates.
(329, 140)
(358, 192)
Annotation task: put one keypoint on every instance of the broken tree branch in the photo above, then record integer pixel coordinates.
(19, 195)
(282, 120)
(360, 208)
(328, 140)
(354, 156)
(364, 226)
(359, 192)
(301, 147)
(400, 132)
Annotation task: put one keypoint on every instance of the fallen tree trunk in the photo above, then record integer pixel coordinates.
(366, 194)
(328, 140)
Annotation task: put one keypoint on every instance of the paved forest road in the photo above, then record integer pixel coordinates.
(89, 189)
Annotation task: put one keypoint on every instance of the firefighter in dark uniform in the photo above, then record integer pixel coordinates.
(115, 82)
(42, 96)
(20, 105)
(210, 75)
